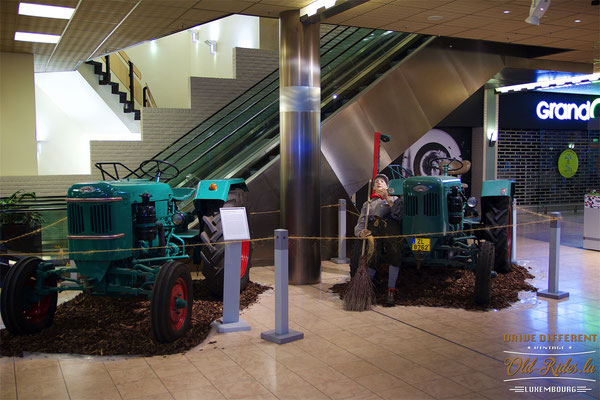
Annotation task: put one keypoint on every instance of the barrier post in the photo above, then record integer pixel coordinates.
(341, 258)
(281, 334)
(513, 254)
(554, 261)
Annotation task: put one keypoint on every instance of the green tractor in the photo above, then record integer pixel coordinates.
(442, 229)
(128, 237)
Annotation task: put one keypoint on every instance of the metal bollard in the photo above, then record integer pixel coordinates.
(341, 258)
(513, 254)
(554, 261)
(281, 334)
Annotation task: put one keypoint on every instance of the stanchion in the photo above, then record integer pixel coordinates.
(281, 334)
(554, 261)
(231, 291)
(513, 254)
(341, 258)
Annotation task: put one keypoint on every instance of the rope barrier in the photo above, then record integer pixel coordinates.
(33, 232)
(62, 254)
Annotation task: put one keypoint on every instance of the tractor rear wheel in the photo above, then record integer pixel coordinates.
(213, 256)
(483, 273)
(171, 305)
(497, 217)
(23, 311)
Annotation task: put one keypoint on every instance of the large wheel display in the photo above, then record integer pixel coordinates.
(23, 311)
(171, 305)
(483, 273)
(497, 216)
(213, 256)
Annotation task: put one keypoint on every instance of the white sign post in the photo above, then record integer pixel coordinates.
(235, 229)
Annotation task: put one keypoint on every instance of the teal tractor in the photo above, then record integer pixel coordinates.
(128, 237)
(441, 227)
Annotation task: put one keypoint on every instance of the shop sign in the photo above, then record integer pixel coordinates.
(544, 110)
(567, 111)
(568, 163)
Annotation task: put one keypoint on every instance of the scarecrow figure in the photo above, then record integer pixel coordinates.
(385, 216)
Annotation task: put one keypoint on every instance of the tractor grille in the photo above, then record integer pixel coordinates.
(75, 218)
(431, 205)
(100, 215)
(411, 205)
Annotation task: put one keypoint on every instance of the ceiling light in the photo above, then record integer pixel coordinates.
(506, 12)
(36, 37)
(577, 21)
(574, 80)
(41, 10)
(434, 17)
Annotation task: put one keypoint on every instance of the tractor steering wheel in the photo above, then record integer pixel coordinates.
(159, 173)
(445, 168)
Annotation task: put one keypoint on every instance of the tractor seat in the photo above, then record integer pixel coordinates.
(465, 168)
(182, 193)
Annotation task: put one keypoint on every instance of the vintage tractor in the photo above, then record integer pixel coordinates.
(443, 229)
(127, 237)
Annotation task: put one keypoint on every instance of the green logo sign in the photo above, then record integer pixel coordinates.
(568, 163)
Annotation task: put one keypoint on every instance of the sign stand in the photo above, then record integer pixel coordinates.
(554, 261)
(235, 229)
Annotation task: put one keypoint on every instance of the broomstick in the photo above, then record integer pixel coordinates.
(360, 294)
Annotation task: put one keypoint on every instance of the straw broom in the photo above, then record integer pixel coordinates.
(360, 294)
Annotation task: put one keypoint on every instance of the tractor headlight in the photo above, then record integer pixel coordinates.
(472, 202)
(178, 218)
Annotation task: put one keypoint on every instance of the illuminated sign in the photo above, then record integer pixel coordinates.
(567, 111)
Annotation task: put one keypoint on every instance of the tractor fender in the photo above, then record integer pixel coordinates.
(502, 188)
(218, 189)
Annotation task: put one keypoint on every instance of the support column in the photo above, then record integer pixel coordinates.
(490, 129)
(300, 146)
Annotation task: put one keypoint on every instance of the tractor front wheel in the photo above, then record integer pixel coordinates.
(23, 310)
(171, 305)
(213, 255)
(483, 273)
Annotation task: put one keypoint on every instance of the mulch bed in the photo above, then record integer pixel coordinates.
(439, 287)
(119, 326)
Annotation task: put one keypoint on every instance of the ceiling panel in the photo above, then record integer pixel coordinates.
(95, 20)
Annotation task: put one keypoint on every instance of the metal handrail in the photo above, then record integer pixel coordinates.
(271, 75)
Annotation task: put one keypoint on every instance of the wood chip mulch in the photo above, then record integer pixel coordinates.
(438, 287)
(95, 325)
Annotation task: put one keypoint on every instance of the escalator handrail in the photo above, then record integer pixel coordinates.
(157, 156)
(256, 114)
(212, 147)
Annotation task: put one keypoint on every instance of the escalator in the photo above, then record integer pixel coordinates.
(371, 80)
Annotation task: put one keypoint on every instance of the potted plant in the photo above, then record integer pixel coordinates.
(22, 224)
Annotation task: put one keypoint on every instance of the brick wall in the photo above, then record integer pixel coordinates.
(160, 127)
(531, 159)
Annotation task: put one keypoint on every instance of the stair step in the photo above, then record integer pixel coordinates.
(97, 67)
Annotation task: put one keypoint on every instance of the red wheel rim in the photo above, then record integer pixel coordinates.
(38, 309)
(178, 315)
(245, 257)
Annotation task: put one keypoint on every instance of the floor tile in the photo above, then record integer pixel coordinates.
(207, 393)
(343, 389)
(301, 393)
(142, 388)
(442, 388)
(239, 390)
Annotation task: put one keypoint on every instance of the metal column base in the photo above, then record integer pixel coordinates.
(340, 260)
(550, 295)
(241, 325)
(282, 338)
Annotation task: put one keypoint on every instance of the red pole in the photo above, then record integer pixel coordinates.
(376, 154)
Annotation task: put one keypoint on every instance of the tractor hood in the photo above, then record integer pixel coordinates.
(129, 190)
(430, 181)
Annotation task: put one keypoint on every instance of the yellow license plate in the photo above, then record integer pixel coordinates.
(420, 244)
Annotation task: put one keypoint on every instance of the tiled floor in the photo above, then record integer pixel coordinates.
(386, 353)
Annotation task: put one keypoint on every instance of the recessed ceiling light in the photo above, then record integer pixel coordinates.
(506, 11)
(42, 10)
(434, 17)
(577, 21)
(36, 37)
